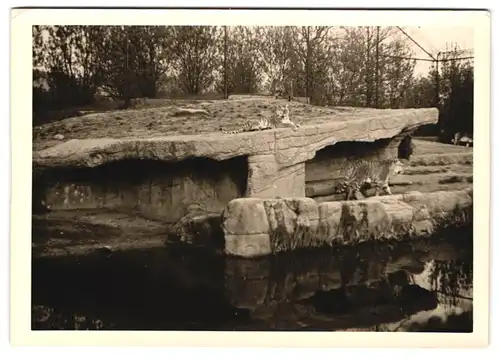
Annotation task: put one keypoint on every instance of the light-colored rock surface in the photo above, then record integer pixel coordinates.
(270, 163)
(275, 160)
(188, 111)
(277, 225)
(267, 179)
(287, 146)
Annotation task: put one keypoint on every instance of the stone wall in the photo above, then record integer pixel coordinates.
(154, 189)
(161, 190)
(276, 158)
(161, 170)
(257, 227)
(266, 178)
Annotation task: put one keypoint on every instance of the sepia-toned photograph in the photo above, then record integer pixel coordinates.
(297, 178)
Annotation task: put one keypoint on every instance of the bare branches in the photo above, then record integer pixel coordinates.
(194, 50)
(359, 66)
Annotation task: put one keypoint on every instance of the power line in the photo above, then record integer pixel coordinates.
(436, 100)
(428, 60)
(406, 58)
(424, 40)
(428, 53)
(441, 52)
(416, 43)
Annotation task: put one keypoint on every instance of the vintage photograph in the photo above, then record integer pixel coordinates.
(252, 178)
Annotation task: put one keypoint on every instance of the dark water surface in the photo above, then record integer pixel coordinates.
(422, 286)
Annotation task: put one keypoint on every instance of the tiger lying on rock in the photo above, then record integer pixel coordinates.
(281, 117)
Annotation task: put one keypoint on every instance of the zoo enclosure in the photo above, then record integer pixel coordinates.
(97, 67)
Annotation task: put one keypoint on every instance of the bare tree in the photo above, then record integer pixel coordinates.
(195, 52)
(277, 51)
(225, 62)
(133, 60)
(240, 61)
(67, 56)
(310, 43)
(396, 73)
(372, 68)
(247, 73)
(348, 71)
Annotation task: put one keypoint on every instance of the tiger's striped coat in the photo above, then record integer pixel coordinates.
(361, 174)
(281, 117)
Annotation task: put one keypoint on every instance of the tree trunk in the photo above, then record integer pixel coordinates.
(225, 63)
(308, 62)
(377, 68)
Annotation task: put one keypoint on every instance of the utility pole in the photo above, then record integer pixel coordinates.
(445, 59)
(436, 59)
(368, 79)
(127, 73)
(376, 67)
(436, 100)
(308, 54)
(225, 63)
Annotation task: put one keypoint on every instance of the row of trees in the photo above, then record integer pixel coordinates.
(353, 66)
(330, 65)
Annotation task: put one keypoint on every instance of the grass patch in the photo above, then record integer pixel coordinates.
(456, 179)
(160, 120)
(442, 159)
(430, 147)
(425, 170)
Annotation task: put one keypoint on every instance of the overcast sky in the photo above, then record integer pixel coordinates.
(436, 39)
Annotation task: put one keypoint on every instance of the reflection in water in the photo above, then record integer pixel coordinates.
(423, 286)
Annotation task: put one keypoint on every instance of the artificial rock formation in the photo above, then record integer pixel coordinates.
(276, 158)
(153, 162)
(255, 227)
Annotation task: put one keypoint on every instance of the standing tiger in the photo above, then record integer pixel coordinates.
(361, 173)
(280, 117)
